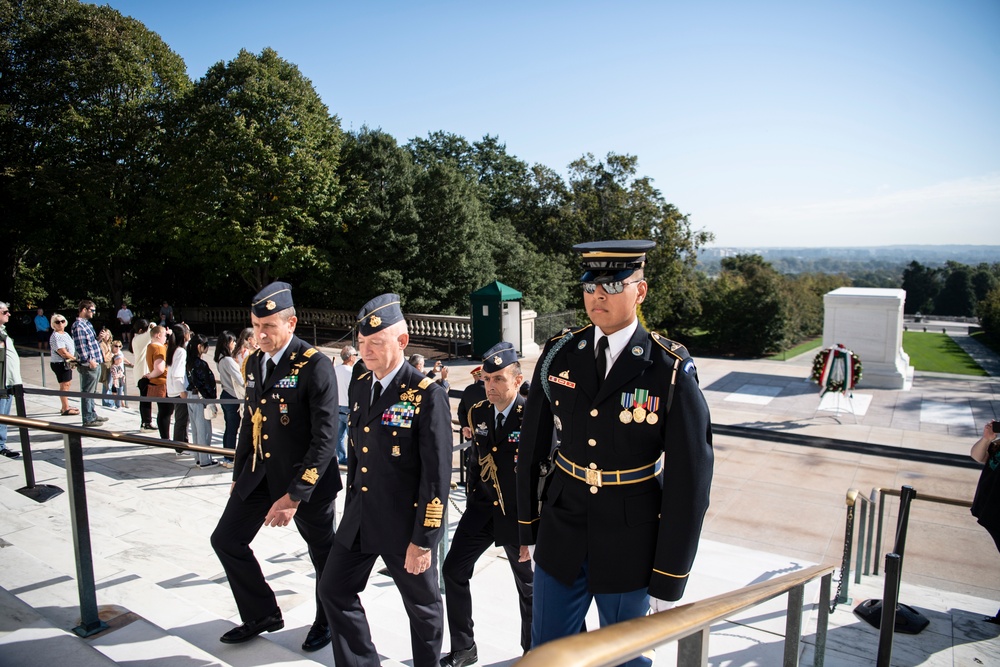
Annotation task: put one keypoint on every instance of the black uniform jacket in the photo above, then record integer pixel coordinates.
(398, 464)
(643, 534)
(296, 410)
(472, 394)
(499, 452)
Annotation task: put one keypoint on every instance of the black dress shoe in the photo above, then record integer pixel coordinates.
(468, 656)
(318, 637)
(251, 629)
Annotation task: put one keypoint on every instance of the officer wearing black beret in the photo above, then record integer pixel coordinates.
(491, 508)
(286, 463)
(398, 478)
(612, 523)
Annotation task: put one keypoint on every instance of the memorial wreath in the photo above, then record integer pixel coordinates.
(836, 369)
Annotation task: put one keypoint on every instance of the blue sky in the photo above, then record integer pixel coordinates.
(769, 123)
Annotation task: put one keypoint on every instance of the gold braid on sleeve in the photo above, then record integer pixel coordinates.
(488, 473)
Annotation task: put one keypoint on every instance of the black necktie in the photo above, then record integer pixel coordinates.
(602, 359)
(270, 368)
(499, 424)
(376, 392)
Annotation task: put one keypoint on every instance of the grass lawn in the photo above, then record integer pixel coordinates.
(938, 353)
(801, 348)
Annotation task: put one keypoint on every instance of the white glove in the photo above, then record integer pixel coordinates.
(531, 552)
(656, 605)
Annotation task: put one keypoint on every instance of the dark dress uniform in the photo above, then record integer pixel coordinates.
(490, 518)
(287, 444)
(605, 514)
(398, 478)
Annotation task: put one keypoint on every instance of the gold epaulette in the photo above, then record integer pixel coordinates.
(310, 352)
(672, 347)
(426, 382)
(568, 330)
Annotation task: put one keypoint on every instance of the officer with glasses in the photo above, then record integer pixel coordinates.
(615, 511)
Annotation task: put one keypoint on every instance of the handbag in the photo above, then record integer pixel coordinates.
(156, 390)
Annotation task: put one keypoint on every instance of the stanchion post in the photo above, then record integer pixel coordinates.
(90, 621)
(889, 601)
(29, 467)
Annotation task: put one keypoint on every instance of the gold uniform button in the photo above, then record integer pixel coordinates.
(557, 401)
(267, 455)
(265, 436)
(364, 449)
(264, 419)
(593, 413)
(363, 469)
(495, 503)
(593, 489)
(367, 429)
(393, 433)
(494, 449)
(263, 401)
(592, 442)
(593, 466)
(364, 488)
(415, 505)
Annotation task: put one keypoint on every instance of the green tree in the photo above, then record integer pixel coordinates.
(956, 297)
(254, 158)
(746, 309)
(922, 285)
(378, 237)
(989, 314)
(985, 279)
(84, 91)
(608, 201)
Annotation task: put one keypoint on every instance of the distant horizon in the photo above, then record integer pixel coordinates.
(769, 124)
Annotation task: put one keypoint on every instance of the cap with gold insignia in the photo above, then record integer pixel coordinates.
(379, 313)
(610, 261)
(499, 356)
(477, 372)
(272, 299)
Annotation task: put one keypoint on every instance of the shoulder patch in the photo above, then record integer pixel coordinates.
(568, 330)
(672, 347)
(310, 352)
(426, 382)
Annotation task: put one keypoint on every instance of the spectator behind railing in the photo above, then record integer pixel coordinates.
(986, 504)
(201, 383)
(232, 387)
(10, 375)
(62, 360)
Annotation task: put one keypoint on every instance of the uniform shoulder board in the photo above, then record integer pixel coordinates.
(310, 352)
(568, 330)
(480, 404)
(672, 347)
(426, 382)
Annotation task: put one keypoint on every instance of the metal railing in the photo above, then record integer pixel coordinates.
(882, 493)
(690, 626)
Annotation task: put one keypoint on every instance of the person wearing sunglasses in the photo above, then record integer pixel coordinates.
(10, 375)
(63, 357)
(611, 522)
(89, 359)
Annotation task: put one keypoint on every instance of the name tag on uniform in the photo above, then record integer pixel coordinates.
(482, 429)
(400, 414)
(288, 382)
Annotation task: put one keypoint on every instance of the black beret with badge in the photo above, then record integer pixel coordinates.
(611, 261)
(274, 298)
(499, 356)
(381, 312)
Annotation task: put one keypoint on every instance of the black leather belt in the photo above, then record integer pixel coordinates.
(596, 477)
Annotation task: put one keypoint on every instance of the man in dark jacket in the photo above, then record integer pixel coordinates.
(616, 524)
(491, 508)
(398, 478)
(286, 464)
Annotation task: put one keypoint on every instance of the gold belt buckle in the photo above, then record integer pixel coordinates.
(594, 477)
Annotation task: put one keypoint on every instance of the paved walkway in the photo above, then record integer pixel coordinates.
(775, 508)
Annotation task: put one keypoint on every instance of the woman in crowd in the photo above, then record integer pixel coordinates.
(202, 384)
(156, 377)
(232, 387)
(177, 385)
(245, 344)
(104, 340)
(986, 502)
(63, 355)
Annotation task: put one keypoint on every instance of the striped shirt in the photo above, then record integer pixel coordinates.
(85, 340)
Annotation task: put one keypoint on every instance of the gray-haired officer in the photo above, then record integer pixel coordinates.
(398, 478)
(616, 524)
(491, 508)
(285, 467)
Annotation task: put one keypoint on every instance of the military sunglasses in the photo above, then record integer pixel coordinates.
(616, 287)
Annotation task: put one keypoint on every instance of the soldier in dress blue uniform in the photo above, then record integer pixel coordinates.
(491, 507)
(398, 478)
(621, 515)
(286, 464)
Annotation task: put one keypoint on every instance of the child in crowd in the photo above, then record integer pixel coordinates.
(116, 374)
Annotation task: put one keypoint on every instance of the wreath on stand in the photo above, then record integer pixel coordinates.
(836, 369)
